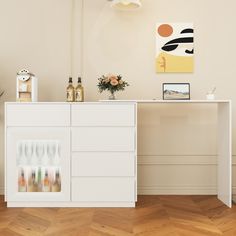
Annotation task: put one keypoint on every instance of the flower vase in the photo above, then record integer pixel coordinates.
(112, 96)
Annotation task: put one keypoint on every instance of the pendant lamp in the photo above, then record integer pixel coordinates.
(126, 4)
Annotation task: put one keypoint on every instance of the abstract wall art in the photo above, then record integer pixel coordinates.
(174, 47)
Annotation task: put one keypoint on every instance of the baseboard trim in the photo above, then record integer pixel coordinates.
(171, 190)
(177, 190)
(71, 204)
(2, 190)
(234, 190)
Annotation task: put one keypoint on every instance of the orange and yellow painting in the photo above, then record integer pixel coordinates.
(174, 47)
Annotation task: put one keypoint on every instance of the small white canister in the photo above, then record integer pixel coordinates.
(210, 96)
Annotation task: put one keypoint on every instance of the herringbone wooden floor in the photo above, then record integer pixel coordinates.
(153, 216)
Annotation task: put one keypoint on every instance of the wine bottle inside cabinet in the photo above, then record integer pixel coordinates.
(39, 166)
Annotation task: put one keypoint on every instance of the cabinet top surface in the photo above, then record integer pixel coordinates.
(119, 101)
(169, 101)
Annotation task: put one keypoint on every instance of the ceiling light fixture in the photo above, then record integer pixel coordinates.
(126, 4)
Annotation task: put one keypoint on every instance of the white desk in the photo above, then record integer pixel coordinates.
(224, 172)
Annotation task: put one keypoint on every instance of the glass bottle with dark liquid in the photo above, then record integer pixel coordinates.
(79, 91)
(70, 91)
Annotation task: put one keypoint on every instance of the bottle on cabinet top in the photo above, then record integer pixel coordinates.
(70, 91)
(79, 91)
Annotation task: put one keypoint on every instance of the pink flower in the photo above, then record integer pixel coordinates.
(114, 82)
(111, 77)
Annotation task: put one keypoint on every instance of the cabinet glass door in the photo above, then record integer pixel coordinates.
(38, 164)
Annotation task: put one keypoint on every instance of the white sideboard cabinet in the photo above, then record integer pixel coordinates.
(85, 154)
(69, 154)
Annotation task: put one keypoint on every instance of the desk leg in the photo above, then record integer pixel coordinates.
(224, 175)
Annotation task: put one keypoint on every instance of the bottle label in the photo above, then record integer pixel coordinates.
(56, 188)
(78, 96)
(70, 96)
(46, 188)
(22, 188)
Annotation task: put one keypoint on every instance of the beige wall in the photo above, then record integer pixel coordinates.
(179, 154)
(34, 35)
(177, 144)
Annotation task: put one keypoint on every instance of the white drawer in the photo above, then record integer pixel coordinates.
(38, 114)
(103, 164)
(103, 115)
(103, 139)
(98, 189)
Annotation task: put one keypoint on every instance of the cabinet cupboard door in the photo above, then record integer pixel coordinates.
(23, 154)
(103, 139)
(103, 115)
(98, 189)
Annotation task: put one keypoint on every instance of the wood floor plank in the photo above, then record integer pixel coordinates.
(153, 216)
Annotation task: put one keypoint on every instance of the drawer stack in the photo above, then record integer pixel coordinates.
(103, 152)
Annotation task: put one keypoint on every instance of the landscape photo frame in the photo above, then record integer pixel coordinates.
(176, 91)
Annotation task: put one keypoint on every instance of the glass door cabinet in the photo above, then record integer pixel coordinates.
(38, 164)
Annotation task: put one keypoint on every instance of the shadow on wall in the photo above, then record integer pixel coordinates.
(1, 137)
(1, 101)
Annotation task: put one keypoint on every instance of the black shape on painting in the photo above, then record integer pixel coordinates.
(189, 52)
(180, 40)
(185, 31)
(169, 48)
(173, 44)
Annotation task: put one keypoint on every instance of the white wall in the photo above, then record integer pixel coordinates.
(177, 144)
(179, 154)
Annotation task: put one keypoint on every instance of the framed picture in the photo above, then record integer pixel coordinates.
(174, 47)
(176, 91)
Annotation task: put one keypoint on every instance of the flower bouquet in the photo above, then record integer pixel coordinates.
(112, 83)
